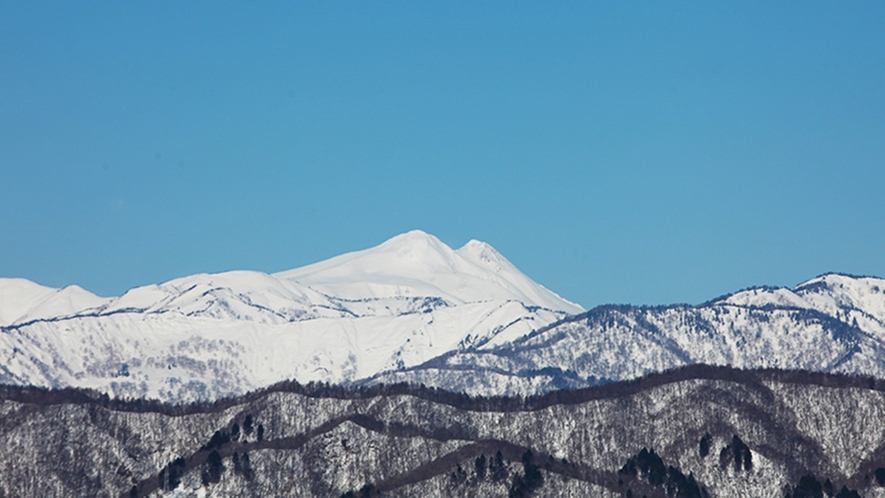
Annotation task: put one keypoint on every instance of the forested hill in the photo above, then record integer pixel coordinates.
(696, 431)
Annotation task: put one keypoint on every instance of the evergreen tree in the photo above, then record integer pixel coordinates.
(480, 467)
(704, 445)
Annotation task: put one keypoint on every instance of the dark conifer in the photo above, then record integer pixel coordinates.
(704, 446)
(480, 467)
(880, 476)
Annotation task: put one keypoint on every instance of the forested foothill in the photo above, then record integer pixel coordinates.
(695, 432)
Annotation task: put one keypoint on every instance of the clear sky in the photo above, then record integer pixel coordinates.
(627, 152)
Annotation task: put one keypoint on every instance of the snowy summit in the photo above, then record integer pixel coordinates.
(199, 337)
(417, 264)
(414, 310)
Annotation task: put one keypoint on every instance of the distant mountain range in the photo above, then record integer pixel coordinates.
(745, 395)
(201, 337)
(832, 323)
(414, 310)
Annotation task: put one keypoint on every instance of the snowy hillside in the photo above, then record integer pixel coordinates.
(832, 323)
(200, 337)
(414, 310)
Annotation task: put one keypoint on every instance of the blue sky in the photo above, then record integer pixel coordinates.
(628, 152)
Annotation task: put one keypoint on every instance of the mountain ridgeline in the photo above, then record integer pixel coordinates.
(414, 310)
(833, 323)
(202, 337)
(699, 431)
(415, 369)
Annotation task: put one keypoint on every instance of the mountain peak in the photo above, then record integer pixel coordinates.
(484, 254)
(418, 264)
(476, 246)
(415, 245)
(412, 237)
(838, 279)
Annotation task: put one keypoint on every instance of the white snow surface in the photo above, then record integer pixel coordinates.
(204, 336)
(832, 323)
(859, 301)
(419, 264)
(414, 310)
(22, 299)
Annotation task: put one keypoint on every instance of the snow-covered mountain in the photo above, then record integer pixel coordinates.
(414, 310)
(390, 307)
(417, 264)
(832, 323)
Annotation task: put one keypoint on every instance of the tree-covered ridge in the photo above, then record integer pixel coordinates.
(69, 395)
(717, 431)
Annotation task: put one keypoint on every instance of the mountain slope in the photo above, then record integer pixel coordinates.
(419, 264)
(22, 300)
(697, 432)
(832, 323)
(204, 336)
(414, 310)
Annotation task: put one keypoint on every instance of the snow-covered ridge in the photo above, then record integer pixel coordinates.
(831, 293)
(388, 307)
(832, 323)
(412, 267)
(415, 310)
